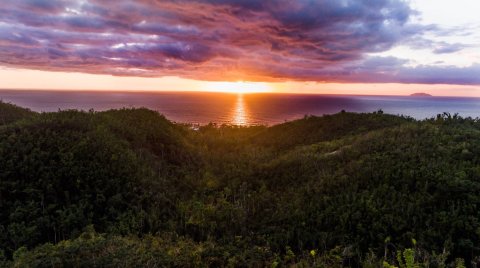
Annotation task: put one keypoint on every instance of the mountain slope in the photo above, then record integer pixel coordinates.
(345, 189)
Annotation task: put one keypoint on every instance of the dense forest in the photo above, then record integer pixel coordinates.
(129, 188)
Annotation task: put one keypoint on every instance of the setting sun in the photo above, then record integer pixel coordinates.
(239, 87)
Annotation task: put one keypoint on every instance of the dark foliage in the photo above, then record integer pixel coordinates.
(10, 113)
(344, 189)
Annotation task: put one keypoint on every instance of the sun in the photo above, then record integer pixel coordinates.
(239, 87)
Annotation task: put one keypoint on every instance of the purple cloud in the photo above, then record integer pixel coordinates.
(449, 48)
(218, 39)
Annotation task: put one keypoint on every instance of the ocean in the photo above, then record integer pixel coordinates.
(240, 109)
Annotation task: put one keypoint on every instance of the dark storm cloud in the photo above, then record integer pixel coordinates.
(218, 39)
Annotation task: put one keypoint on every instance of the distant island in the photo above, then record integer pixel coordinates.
(420, 94)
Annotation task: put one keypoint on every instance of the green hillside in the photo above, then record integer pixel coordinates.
(127, 188)
(10, 113)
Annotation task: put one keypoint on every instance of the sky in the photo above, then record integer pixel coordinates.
(388, 47)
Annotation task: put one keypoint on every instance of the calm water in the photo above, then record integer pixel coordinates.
(246, 109)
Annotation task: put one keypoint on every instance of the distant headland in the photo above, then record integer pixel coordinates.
(420, 94)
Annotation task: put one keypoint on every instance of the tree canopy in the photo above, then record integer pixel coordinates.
(128, 187)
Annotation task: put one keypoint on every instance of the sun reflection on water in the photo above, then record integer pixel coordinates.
(240, 113)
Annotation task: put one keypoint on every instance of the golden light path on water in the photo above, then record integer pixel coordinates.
(240, 113)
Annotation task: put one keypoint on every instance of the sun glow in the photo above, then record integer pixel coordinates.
(239, 87)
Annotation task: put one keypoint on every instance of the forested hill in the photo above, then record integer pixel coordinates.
(10, 113)
(126, 188)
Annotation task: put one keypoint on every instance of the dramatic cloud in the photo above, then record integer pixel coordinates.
(220, 39)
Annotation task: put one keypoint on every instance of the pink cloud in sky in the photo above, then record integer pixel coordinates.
(325, 41)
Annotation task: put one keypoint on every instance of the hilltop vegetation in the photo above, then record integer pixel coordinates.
(129, 188)
(10, 113)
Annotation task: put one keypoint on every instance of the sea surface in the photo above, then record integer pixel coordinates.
(240, 109)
